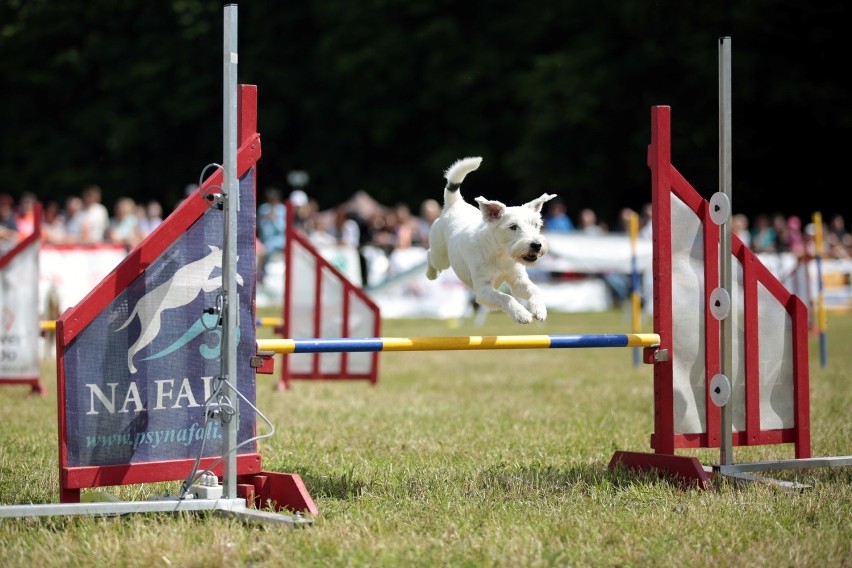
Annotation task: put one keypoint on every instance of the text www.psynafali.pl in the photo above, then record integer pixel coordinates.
(154, 438)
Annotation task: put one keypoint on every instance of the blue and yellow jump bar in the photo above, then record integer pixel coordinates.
(462, 343)
(50, 325)
(446, 343)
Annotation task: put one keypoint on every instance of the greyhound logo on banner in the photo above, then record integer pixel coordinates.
(187, 283)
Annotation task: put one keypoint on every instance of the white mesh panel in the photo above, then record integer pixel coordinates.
(775, 341)
(302, 310)
(776, 363)
(688, 318)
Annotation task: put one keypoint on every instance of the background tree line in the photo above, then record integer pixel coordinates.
(383, 95)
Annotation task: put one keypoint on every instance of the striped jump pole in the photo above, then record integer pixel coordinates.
(50, 325)
(269, 322)
(635, 286)
(822, 319)
(462, 343)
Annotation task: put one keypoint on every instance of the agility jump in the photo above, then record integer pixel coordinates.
(730, 361)
(462, 343)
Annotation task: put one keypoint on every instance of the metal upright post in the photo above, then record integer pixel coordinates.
(231, 201)
(725, 261)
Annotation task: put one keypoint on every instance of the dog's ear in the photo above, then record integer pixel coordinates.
(491, 210)
(538, 202)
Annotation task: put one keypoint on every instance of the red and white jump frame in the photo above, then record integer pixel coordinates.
(767, 318)
(768, 395)
(320, 301)
(19, 311)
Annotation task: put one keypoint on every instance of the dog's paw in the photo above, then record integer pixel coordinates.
(431, 273)
(538, 311)
(522, 316)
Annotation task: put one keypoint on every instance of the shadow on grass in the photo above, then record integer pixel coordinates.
(508, 480)
(577, 479)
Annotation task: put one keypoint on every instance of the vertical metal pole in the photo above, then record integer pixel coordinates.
(725, 261)
(231, 201)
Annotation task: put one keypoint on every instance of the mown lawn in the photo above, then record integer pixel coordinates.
(493, 458)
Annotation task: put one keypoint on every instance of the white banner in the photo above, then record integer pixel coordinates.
(19, 316)
(72, 271)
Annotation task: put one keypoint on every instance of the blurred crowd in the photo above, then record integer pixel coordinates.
(367, 225)
(778, 233)
(82, 220)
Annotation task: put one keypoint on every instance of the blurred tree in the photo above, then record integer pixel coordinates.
(383, 95)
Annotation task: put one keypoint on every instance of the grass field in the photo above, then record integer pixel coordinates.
(493, 458)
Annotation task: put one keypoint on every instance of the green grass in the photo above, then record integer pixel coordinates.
(494, 458)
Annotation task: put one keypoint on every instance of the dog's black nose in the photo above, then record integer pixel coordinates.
(535, 246)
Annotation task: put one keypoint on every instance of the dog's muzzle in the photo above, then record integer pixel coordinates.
(535, 252)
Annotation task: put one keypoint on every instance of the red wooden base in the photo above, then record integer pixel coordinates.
(685, 469)
(280, 490)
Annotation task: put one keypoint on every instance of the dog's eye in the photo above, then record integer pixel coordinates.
(513, 227)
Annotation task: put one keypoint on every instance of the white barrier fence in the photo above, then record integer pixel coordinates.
(72, 271)
(581, 273)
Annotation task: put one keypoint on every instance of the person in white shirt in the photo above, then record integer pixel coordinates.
(95, 218)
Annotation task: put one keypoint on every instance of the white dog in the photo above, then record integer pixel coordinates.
(489, 246)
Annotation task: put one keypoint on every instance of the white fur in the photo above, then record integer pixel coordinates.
(489, 246)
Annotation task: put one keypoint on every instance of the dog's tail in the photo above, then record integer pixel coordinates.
(455, 175)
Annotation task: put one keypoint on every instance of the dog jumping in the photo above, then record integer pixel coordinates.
(489, 246)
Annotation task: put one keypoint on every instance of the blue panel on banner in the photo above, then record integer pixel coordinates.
(137, 377)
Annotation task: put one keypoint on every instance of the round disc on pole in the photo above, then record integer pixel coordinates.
(720, 390)
(720, 304)
(720, 208)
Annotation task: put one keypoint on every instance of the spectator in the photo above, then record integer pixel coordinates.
(149, 217)
(556, 218)
(73, 219)
(271, 227)
(810, 242)
(795, 240)
(53, 223)
(782, 233)
(95, 221)
(624, 216)
(301, 209)
(589, 222)
(405, 226)
(25, 215)
(645, 228)
(763, 237)
(8, 226)
(124, 226)
(345, 229)
(383, 231)
(739, 226)
(430, 210)
(838, 240)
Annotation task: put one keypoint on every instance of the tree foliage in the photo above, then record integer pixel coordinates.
(383, 95)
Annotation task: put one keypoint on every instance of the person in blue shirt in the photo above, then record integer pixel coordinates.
(271, 226)
(556, 218)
